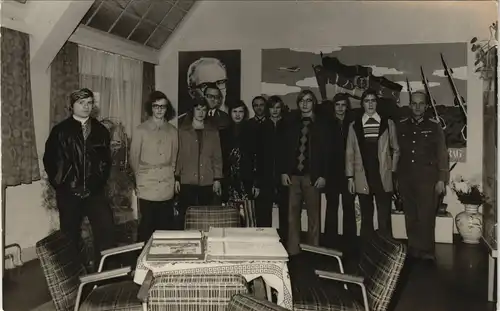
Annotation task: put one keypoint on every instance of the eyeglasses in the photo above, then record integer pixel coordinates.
(162, 107)
(213, 97)
(221, 84)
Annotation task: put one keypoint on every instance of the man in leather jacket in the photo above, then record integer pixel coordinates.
(77, 160)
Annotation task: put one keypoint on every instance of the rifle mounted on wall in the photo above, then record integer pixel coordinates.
(431, 99)
(458, 100)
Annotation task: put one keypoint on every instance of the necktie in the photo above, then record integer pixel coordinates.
(211, 113)
(303, 143)
(86, 129)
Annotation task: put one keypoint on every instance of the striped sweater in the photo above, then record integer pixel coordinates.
(371, 126)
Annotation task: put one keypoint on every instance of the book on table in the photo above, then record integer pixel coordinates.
(245, 244)
(243, 234)
(246, 251)
(176, 246)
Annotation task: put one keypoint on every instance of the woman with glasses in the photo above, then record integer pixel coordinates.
(153, 154)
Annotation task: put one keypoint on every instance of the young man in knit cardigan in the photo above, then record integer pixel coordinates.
(372, 154)
(305, 155)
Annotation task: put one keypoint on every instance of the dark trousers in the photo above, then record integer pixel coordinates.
(270, 194)
(193, 195)
(349, 229)
(384, 201)
(420, 204)
(302, 190)
(72, 209)
(155, 215)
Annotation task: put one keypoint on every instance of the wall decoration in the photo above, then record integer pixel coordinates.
(393, 70)
(197, 69)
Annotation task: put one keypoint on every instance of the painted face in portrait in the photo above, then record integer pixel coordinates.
(370, 104)
(208, 72)
(418, 104)
(83, 107)
(259, 107)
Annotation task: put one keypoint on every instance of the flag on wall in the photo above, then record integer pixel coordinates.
(335, 77)
(353, 80)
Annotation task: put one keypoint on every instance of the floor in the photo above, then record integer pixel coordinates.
(457, 282)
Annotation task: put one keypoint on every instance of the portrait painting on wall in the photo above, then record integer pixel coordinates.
(201, 69)
(392, 70)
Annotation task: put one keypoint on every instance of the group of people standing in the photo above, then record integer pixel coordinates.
(278, 157)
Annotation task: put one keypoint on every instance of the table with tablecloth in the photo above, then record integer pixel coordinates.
(275, 272)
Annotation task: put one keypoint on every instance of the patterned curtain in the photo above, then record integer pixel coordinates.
(64, 80)
(19, 155)
(148, 85)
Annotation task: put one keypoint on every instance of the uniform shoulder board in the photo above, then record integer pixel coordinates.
(403, 120)
(434, 120)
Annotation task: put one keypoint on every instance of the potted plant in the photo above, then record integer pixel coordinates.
(469, 222)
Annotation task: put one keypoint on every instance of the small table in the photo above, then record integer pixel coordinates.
(275, 273)
(492, 258)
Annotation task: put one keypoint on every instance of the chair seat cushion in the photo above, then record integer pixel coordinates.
(114, 296)
(323, 295)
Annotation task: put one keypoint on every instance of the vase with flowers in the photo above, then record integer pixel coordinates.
(470, 221)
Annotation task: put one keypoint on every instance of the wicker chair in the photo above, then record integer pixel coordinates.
(204, 217)
(370, 289)
(245, 302)
(66, 278)
(188, 292)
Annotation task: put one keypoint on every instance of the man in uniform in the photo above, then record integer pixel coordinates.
(423, 172)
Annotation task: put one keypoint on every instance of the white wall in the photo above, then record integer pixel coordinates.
(255, 25)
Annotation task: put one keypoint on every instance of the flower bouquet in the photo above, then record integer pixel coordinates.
(469, 222)
(469, 192)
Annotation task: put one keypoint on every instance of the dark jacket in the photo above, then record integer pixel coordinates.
(268, 139)
(221, 119)
(194, 166)
(242, 137)
(338, 135)
(320, 153)
(75, 165)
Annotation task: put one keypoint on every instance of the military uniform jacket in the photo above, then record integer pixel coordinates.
(423, 150)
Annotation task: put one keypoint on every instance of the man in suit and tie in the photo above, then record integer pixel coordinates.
(213, 96)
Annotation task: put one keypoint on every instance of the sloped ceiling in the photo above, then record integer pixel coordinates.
(147, 22)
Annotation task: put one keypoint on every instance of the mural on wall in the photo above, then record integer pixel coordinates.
(199, 69)
(392, 70)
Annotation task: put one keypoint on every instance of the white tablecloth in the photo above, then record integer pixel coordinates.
(274, 273)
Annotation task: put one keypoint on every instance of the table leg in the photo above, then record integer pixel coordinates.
(491, 277)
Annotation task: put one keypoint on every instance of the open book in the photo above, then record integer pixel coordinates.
(246, 251)
(243, 235)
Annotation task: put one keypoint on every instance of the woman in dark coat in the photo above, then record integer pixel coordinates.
(238, 154)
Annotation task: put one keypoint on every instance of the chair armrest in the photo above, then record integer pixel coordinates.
(325, 251)
(122, 249)
(118, 250)
(346, 278)
(321, 250)
(106, 275)
(99, 276)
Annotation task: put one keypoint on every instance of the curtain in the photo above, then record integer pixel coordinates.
(19, 154)
(148, 85)
(117, 83)
(64, 79)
